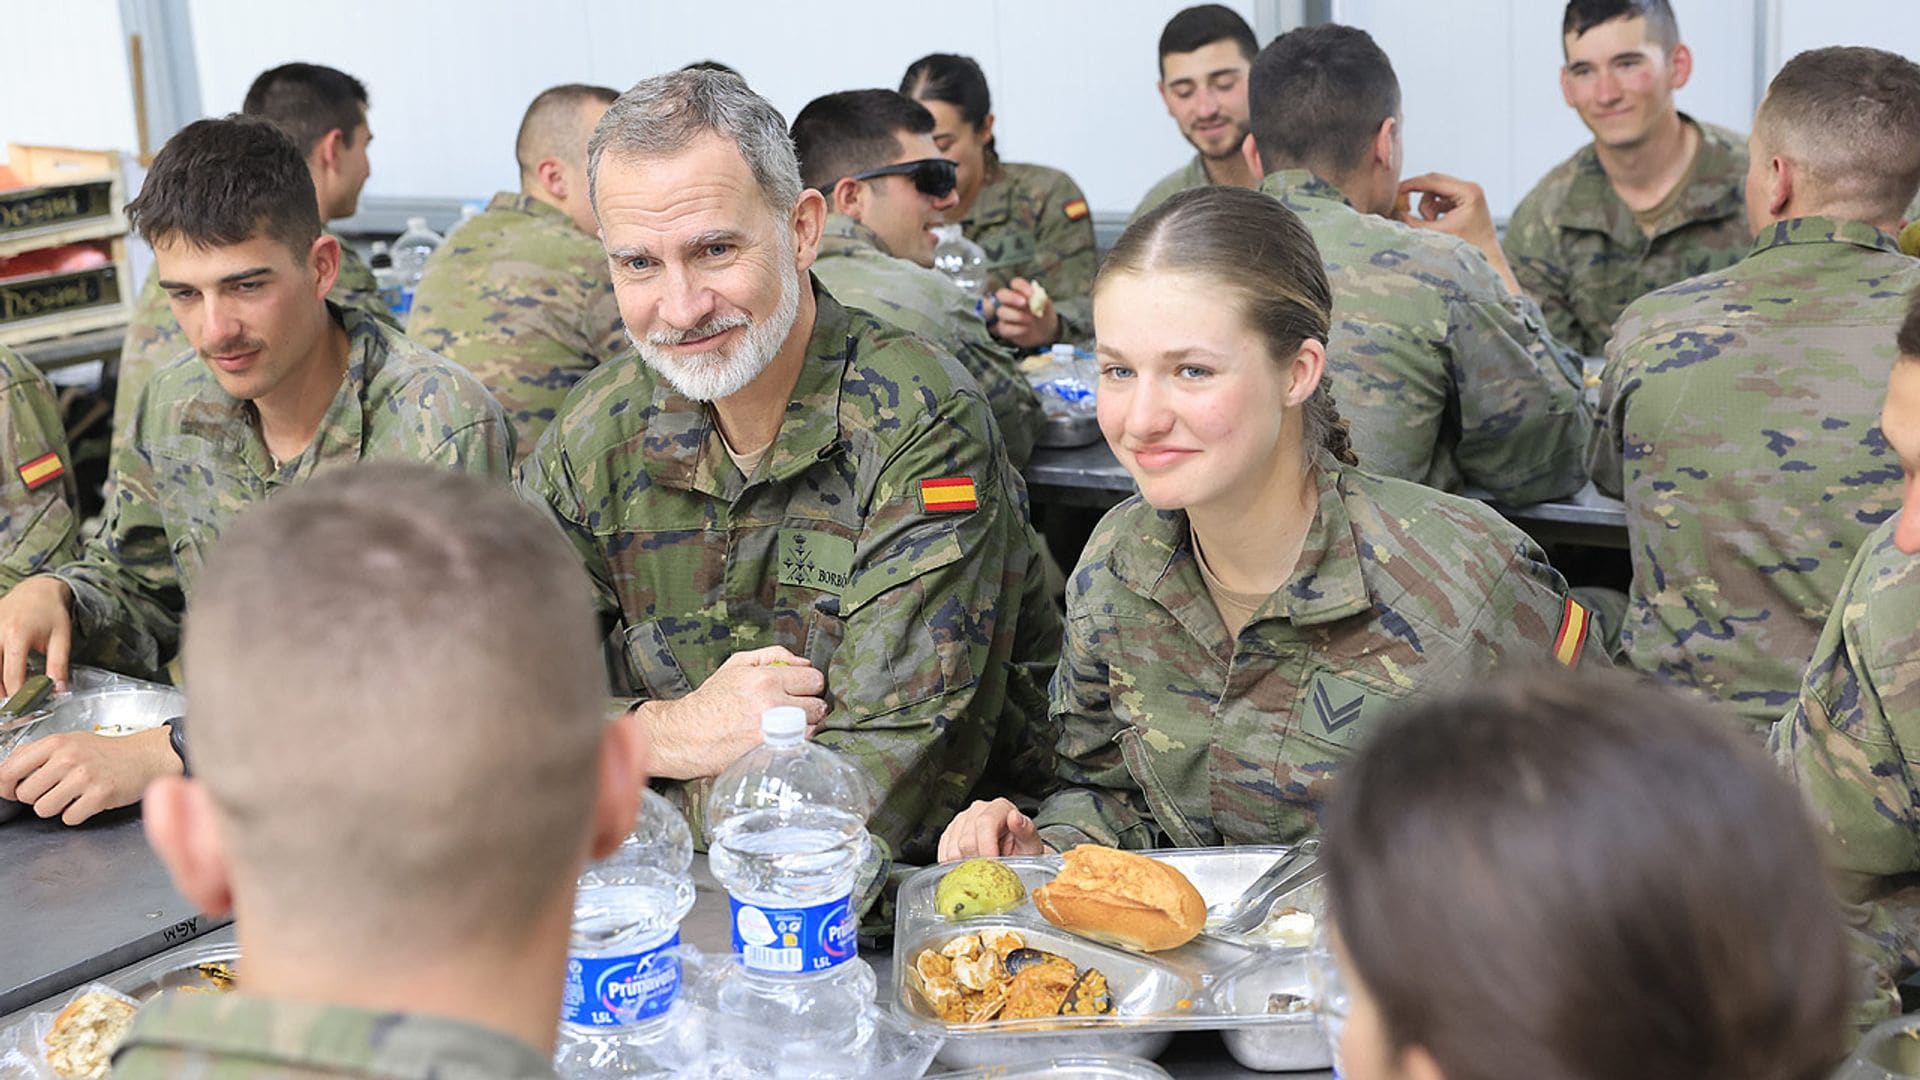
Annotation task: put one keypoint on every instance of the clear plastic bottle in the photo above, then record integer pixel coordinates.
(789, 840)
(410, 252)
(385, 278)
(621, 1013)
(963, 261)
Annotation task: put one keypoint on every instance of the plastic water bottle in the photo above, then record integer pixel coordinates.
(789, 840)
(963, 261)
(410, 252)
(385, 278)
(621, 1012)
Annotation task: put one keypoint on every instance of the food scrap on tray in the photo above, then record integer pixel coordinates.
(992, 975)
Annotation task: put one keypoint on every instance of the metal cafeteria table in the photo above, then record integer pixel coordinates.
(102, 916)
(1090, 476)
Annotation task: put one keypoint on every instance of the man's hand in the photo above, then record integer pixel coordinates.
(706, 731)
(34, 618)
(1458, 208)
(990, 829)
(76, 775)
(1014, 322)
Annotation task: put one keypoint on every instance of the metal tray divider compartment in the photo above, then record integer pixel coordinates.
(1205, 973)
(176, 970)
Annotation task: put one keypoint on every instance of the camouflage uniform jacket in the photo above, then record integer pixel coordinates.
(1576, 248)
(1851, 743)
(1034, 222)
(154, 339)
(883, 537)
(194, 458)
(1739, 419)
(1185, 178)
(1173, 734)
(522, 298)
(859, 272)
(240, 1036)
(1447, 378)
(39, 529)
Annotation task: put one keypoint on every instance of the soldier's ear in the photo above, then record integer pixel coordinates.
(552, 175)
(183, 829)
(848, 197)
(324, 258)
(622, 773)
(808, 221)
(1250, 151)
(1308, 367)
(1679, 66)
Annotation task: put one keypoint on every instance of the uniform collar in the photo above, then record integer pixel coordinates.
(527, 204)
(331, 1038)
(1295, 185)
(1328, 584)
(682, 448)
(1593, 205)
(1823, 230)
(843, 236)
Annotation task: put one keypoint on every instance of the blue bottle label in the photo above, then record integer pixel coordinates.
(793, 941)
(616, 991)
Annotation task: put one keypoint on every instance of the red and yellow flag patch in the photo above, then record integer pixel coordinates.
(1572, 637)
(1075, 209)
(42, 471)
(948, 493)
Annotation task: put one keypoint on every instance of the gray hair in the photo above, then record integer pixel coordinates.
(665, 114)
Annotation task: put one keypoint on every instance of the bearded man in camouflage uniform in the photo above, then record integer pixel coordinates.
(282, 386)
(784, 501)
(324, 112)
(520, 294)
(869, 153)
(1738, 408)
(1655, 197)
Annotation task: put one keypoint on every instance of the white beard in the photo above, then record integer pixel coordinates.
(723, 372)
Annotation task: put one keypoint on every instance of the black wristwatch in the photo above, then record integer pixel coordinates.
(177, 738)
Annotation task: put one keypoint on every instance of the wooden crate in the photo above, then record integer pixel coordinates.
(71, 195)
(51, 305)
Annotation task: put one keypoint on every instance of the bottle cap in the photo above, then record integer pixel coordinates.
(783, 722)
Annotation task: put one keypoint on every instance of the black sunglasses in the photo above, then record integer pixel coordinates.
(934, 176)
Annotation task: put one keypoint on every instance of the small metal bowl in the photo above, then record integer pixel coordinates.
(122, 709)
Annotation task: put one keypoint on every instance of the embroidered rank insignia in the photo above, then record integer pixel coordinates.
(1572, 637)
(42, 471)
(1075, 210)
(948, 493)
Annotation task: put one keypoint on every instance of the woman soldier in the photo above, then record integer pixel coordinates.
(1032, 221)
(1238, 629)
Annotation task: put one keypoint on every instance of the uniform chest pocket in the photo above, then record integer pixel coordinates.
(1340, 712)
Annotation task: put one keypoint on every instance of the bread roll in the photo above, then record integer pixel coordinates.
(87, 1032)
(1123, 898)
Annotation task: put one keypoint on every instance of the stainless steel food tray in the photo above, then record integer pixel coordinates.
(1079, 1067)
(177, 970)
(118, 707)
(1210, 983)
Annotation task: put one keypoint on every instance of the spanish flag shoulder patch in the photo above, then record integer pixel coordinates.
(948, 494)
(42, 471)
(1075, 209)
(1574, 620)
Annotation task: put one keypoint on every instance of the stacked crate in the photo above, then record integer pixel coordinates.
(63, 248)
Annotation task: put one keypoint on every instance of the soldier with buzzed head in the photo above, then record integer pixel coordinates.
(283, 385)
(324, 112)
(783, 501)
(520, 295)
(1739, 410)
(870, 154)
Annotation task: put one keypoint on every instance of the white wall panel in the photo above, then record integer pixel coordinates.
(63, 76)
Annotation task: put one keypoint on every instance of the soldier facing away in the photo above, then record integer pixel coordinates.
(386, 936)
(1738, 408)
(1240, 627)
(870, 154)
(520, 294)
(1655, 197)
(324, 112)
(283, 385)
(1852, 733)
(782, 501)
(1032, 221)
(1447, 371)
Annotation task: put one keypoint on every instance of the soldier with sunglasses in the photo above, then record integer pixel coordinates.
(870, 154)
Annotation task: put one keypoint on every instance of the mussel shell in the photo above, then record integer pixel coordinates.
(1023, 958)
(1092, 987)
